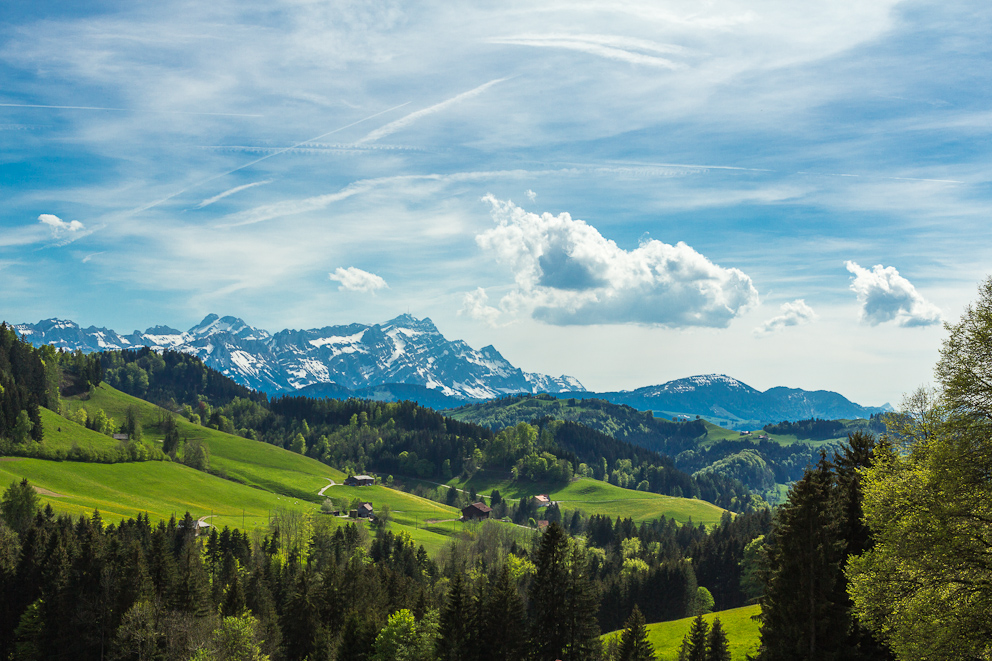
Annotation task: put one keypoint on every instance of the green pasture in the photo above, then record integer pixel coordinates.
(596, 497)
(251, 462)
(715, 433)
(62, 434)
(157, 487)
(738, 623)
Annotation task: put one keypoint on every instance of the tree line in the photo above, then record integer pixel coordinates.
(310, 587)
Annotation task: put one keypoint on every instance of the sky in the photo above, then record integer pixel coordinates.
(792, 194)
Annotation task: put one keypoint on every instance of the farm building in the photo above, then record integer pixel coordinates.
(476, 511)
(543, 500)
(359, 480)
(365, 511)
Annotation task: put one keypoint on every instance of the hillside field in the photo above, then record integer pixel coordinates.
(596, 497)
(261, 478)
(738, 623)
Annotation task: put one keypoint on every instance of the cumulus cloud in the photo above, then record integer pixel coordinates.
(569, 274)
(355, 279)
(795, 313)
(885, 295)
(59, 227)
(476, 305)
(531, 195)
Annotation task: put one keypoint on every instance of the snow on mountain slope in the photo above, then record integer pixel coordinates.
(404, 350)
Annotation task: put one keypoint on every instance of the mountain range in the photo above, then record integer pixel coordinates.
(404, 350)
(736, 404)
(409, 358)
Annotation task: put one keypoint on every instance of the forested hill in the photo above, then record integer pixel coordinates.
(403, 438)
(617, 420)
(760, 463)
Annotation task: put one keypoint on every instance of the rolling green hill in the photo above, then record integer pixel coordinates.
(251, 462)
(261, 478)
(596, 497)
(738, 623)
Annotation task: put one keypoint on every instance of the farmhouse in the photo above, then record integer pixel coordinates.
(365, 511)
(359, 480)
(476, 511)
(543, 500)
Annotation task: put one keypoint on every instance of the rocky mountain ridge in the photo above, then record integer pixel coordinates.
(404, 350)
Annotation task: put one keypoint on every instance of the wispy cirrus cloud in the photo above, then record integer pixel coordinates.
(885, 296)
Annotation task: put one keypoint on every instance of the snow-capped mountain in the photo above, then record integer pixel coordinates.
(404, 350)
(725, 398)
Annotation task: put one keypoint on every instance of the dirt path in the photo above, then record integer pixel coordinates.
(332, 483)
(11, 458)
(47, 492)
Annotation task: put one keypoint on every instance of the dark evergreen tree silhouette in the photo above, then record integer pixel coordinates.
(634, 643)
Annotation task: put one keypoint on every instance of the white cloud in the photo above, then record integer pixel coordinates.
(795, 313)
(885, 295)
(531, 195)
(475, 305)
(569, 274)
(59, 227)
(355, 279)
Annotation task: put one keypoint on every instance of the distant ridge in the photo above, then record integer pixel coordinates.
(718, 396)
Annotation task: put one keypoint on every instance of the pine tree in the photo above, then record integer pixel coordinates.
(694, 644)
(634, 643)
(563, 604)
(717, 645)
(452, 640)
(803, 616)
(503, 630)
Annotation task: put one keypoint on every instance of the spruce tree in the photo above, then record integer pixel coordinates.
(452, 639)
(562, 602)
(802, 615)
(503, 631)
(634, 643)
(694, 644)
(717, 645)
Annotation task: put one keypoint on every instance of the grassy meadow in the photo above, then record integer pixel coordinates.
(596, 497)
(738, 623)
(251, 480)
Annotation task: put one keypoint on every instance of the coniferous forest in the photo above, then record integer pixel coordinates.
(881, 550)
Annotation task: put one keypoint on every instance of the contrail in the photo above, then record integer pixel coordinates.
(138, 110)
(232, 191)
(259, 160)
(393, 127)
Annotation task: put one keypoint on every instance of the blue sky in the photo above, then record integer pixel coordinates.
(624, 192)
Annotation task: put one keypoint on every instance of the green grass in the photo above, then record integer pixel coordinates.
(741, 630)
(260, 478)
(596, 497)
(62, 434)
(715, 433)
(250, 462)
(157, 487)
